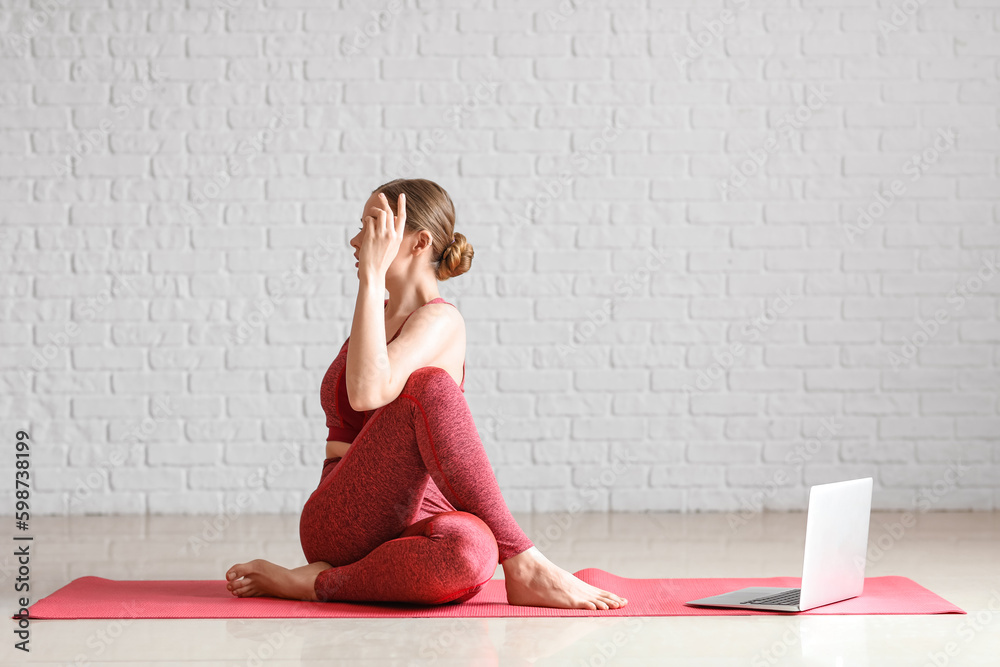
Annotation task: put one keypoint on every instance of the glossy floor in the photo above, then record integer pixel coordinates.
(956, 555)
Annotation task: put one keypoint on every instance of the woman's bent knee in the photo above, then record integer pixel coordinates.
(428, 377)
(477, 553)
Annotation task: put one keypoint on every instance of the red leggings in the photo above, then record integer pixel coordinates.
(379, 517)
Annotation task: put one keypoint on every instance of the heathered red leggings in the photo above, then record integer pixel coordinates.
(387, 530)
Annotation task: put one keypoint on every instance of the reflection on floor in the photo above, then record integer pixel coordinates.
(956, 555)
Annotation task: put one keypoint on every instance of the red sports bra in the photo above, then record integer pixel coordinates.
(342, 420)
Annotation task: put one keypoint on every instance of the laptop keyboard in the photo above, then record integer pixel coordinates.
(790, 597)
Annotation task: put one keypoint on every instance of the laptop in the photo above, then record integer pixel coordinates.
(835, 554)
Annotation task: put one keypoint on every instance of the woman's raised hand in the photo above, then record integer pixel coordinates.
(383, 233)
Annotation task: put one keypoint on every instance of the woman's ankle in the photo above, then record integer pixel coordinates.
(522, 562)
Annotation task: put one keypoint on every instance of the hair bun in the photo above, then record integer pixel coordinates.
(456, 258)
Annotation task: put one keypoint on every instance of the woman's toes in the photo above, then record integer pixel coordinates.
(617, 601)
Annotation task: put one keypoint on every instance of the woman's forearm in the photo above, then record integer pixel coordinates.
(367, 366)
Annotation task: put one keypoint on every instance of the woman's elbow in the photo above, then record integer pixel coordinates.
(359, 403)
(372, 402)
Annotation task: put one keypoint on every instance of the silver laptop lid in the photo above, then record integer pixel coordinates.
(836, 542)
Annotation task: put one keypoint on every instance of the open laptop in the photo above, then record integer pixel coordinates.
(835, 553)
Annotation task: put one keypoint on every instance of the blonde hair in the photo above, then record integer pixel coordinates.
(428, 207)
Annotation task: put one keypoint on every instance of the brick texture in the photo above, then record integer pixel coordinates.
(724, 251)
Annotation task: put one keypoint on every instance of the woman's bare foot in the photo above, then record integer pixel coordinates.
(263, 578)
(533, 580)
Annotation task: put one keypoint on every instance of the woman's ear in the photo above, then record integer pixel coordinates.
(423, 240)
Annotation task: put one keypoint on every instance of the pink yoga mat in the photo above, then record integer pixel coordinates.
(96, 597)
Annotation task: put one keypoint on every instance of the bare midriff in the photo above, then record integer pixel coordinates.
(335, 448)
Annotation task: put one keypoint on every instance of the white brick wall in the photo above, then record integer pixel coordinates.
(673, 305)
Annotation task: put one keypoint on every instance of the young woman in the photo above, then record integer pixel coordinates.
(408, 508)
